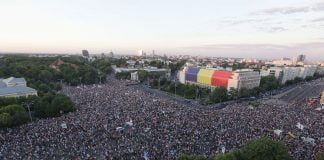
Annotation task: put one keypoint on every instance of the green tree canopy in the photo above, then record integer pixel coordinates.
(5, 120)
(265, 149)
(269, 83)
(219, 94)
(60, 104)
(12, 109)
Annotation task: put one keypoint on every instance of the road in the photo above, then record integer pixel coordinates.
(301, 92)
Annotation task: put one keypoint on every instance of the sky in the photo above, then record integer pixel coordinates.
(234, 28)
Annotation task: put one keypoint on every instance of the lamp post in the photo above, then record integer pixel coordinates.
(28, 107)
(61, 81)
(159, 83)
(196, 93)
(80, 79)
(99, 73)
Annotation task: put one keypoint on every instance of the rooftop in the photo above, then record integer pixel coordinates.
(15, 90)
(14, 80)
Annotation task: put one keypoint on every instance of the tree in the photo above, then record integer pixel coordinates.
(60, 104)
(142, 75)
(235, 155)
(123, 75)
(103, 65)
(244, 92)
(269, 83)
(176, 66)
(20, 118)
(259, 149)
(12, 109)
(5, 120)
(190, 91)
(219, 94)
(44, 88)
(320, 155)
(45, 76)
(265, 149)
(233, 93)
(40, 108)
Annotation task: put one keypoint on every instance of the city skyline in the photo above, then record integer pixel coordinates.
(251, 28)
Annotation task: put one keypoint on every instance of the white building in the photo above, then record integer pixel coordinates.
(134, 76)
(320, 70)
(15, 87)
(131, 63)
(245, 78)
(284, 74)
(283, 62)
(12, 82)
(181, 76)
(307, 70)
(272, 71)
(148, 69)
(289, 73)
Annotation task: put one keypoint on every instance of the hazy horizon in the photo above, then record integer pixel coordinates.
(249, 28)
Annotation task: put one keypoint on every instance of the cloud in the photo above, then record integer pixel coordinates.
(277, 29)
(318, 19)
(244, 21)
(285, 10)
(318, 7)
(292, 10)
(313, 50)
(271, 29)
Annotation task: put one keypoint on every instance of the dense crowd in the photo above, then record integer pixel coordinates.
(119, 121)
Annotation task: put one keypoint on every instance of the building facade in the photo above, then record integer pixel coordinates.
(289, 73)
(307, 70)
(244, 78)
(220, 78)
(320, 70)
(284, 74)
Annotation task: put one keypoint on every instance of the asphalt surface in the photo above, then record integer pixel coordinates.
(302, 92)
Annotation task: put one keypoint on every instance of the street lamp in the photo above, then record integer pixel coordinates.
(99, 73)
(61, 81)
(28, 106)
(197, 93)
(175, 88)
(80, 79)
(159, 83)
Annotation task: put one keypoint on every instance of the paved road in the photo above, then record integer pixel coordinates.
(301, 92)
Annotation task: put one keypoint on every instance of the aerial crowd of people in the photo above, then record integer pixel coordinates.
(119, 121)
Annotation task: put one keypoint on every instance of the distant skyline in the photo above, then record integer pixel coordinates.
(232, 28)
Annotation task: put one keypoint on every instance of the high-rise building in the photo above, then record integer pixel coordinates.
(111, 54)
(301, 58)
(85, 53)
(141, 53)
